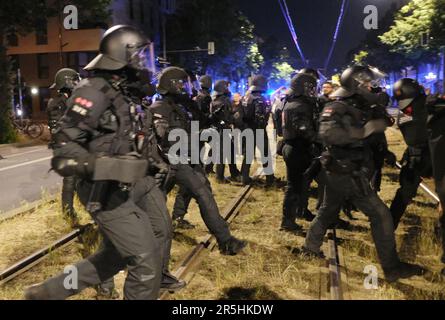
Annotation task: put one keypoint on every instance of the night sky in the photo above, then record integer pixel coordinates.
(314, 22)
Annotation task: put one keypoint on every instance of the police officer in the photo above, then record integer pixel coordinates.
(222, 118)
(436, 139)
(201, 104)
(204, 98)
(257, 110)
(347, 160)
(169, 114)
(97, 143)
(299, 132)
(416, 161)
(64, 82)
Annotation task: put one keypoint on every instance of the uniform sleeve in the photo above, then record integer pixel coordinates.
(249, 109)
(160, 119)
(84, 110)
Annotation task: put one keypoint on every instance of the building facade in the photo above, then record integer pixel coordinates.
(40, 54)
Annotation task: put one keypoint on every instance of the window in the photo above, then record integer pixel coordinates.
(42, 33)
(12, 40)
(130, 9)
(141, 10)
(43, 66)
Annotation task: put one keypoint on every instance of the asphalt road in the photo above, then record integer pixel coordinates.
(24, 176)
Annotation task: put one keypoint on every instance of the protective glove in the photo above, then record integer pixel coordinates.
(161, 177)
(82, 166)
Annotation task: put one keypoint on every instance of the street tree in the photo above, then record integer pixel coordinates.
(196, 22)
(22, 17)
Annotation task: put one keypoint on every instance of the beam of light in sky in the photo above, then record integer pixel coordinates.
(286, 14)
(337, 29)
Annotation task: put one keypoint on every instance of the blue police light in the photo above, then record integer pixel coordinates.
(431, 76)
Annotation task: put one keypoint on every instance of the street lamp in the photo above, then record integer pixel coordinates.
(34, 91)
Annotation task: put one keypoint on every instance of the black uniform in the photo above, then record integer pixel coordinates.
(298, 133)
(204, 99)
(222, 118)
(416, 162)
(191, 179)
(133, 219)
(256, 114)
(436, 139)
(56, 109)
(347, 162)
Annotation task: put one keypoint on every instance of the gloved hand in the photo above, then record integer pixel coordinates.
(161, 177)
(82, 166)
(390, 159)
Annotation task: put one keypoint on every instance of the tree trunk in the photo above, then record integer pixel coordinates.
(7, 132)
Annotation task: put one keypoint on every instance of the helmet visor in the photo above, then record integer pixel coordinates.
(141, 59)
(182, 86)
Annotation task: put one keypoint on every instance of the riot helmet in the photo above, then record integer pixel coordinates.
(222, 87)
(258, 83)
(65, 79)
(303, 84)
(174, 81)
(122, 46)
(206, 82)
(311, 72)
(360, 80)
(406, 90)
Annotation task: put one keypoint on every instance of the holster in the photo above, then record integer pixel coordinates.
(123, 169)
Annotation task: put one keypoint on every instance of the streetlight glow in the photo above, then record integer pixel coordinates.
(34, 91)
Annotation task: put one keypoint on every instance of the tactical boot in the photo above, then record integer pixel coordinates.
(270, 179)
(312, 254)
(246, 181)
(306, 214)
(290, 226)
(222, 180)
(232, 246)
(171, 283)
(37, 292)
(235, 179)
(106, 293)
(181, 223)
(402, 271)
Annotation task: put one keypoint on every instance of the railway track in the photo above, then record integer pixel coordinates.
(186, 266)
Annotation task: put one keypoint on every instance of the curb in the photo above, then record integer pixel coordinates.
(27, 208)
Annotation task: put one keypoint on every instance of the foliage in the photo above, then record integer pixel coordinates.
(282, 71)
(410, 23)
(196, 22)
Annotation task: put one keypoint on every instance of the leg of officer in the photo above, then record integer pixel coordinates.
(329, 211)
(291, 195)
(129, 242)
(182, 202)
(152, 201)
(245, 167)
(68, 189)
(382, 227)
(409, 183)
(195, 182)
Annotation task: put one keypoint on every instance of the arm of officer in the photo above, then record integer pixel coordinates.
(84, 110)
(160, 120)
